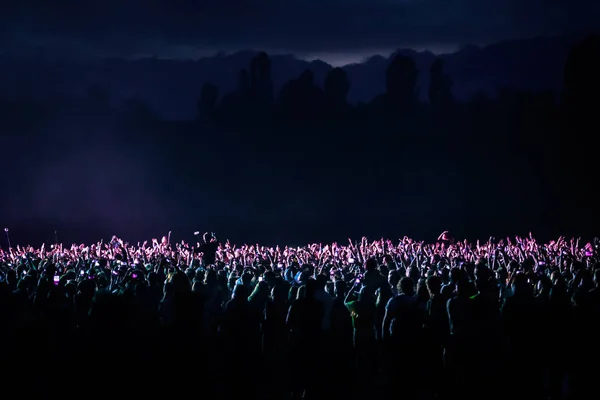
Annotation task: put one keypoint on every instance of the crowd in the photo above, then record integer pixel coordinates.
(404, 319)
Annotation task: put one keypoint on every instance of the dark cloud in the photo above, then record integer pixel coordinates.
(300, 26)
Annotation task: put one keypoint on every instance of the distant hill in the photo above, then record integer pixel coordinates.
(171, 86)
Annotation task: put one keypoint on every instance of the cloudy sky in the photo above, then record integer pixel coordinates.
(338, 31)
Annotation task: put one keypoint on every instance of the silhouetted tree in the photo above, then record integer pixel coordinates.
(582, 83)
(440, 87)
(400, 83)
(261, 84)
(207, 104)
(581, 98)
(337, 86)
(301, 98)
(236, 104)
(243, 83)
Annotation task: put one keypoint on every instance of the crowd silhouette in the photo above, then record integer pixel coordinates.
(405, 319)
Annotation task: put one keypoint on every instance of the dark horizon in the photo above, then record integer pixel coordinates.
(353, 29)
(530, 64)
(344, 60)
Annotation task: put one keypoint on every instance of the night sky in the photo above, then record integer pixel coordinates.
(336, 31)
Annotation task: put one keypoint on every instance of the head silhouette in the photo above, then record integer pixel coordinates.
(240, 293)
(312, 286)
(406, 286)
(520, 285)
(434, 285)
